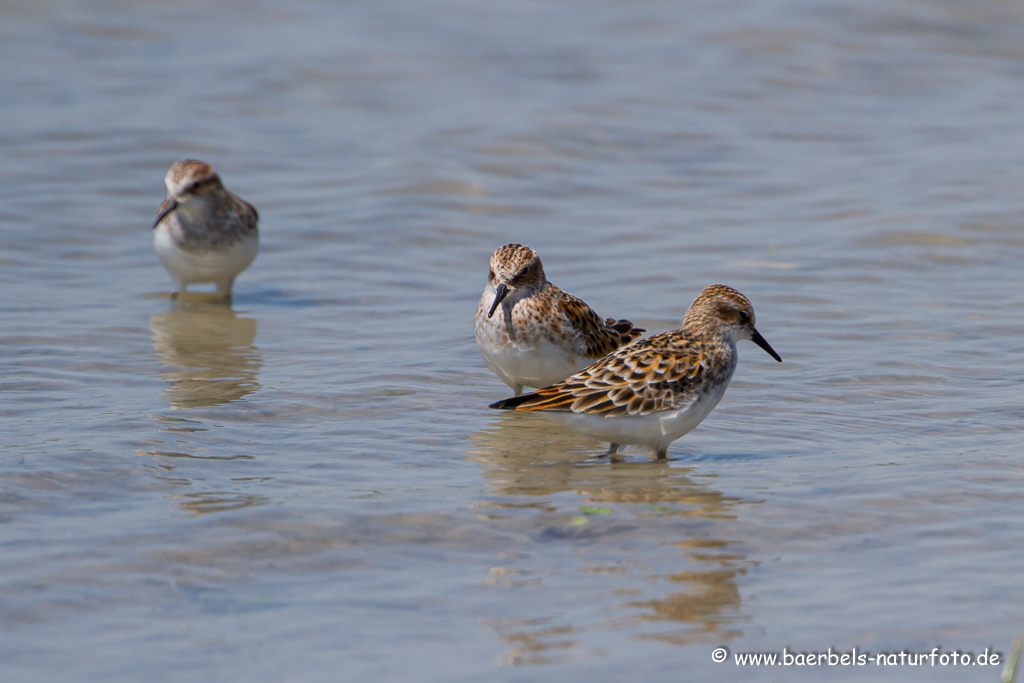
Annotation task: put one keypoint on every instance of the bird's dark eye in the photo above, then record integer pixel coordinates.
(744, 316)
(524, 272)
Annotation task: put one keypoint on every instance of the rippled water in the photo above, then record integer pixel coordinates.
(307, 485)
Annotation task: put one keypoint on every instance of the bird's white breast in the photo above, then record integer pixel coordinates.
(187, 267)
(523, 356)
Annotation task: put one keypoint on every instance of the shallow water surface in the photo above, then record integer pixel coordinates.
(307, 485)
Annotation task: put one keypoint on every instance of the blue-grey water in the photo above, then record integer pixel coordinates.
(308, 486)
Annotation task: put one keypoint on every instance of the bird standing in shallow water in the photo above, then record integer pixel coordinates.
(202, 232)
(653, 391)
(530, 332)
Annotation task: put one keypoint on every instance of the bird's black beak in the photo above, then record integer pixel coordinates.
(168, 205)
(502, 293)
(756, 337)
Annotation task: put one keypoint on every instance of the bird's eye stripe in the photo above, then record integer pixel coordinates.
(199, 182)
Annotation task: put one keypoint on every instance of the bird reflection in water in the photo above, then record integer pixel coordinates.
(650, 544)
(211, 350)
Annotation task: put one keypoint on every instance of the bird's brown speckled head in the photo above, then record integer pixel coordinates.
(515, 268)
(190, 176)
(727, 310)
(191, 184)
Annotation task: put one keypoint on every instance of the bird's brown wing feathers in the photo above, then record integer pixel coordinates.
(643, 378)
(600, 335)
(246, 211)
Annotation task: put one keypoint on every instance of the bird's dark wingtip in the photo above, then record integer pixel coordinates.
(508, 403)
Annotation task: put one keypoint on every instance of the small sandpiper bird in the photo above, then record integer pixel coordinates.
(541, 334)
(203, 233)
(653, 391)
